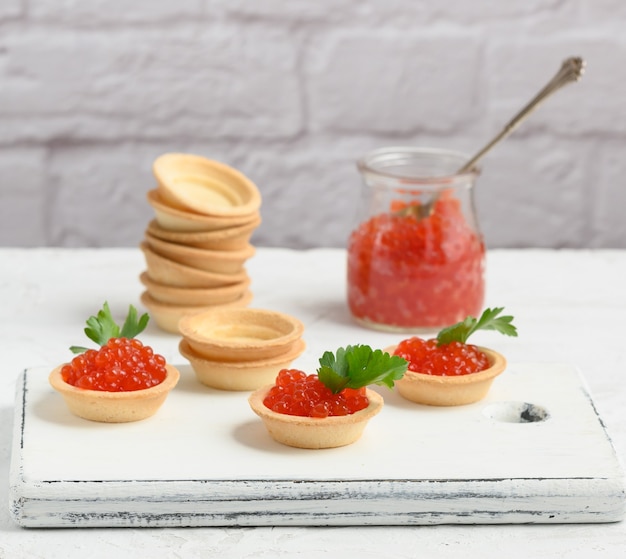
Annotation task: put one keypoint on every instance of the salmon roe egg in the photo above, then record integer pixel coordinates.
(406, 272)
(121, 365)
(296, 393)
(454, 358)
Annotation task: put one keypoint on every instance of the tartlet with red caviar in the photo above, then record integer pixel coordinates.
(446, 370)
(332, 407)
(123, 380)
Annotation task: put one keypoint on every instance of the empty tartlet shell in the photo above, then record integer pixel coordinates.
(166, 271)
(215, 261)
(311, 432)
(114, 407)
(230, 238)
(240, 375)
(436, 390)
(205, 186)
(240, 334)
(175, 219)
(168, 316)
(193, 296)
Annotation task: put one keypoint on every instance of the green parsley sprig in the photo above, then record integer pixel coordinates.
(359, 365)
(489, 320)
(102, 327)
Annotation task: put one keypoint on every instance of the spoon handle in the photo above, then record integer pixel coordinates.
(571, 71)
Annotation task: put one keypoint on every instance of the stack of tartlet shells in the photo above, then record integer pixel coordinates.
(197, 245)
(240, 348)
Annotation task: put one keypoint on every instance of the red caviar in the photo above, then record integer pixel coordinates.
(455, 358)
(121, 365)
(296, 393)
(405, 272)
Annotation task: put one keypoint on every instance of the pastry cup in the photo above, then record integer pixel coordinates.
(230, 238)
(435, 390)
(241, 375)
(240, 334)
(114, 407)
(167, 316)
(311, 432)
(204, 186)
(216, 261)
(169, 272)
(174, 219)
(193, 296)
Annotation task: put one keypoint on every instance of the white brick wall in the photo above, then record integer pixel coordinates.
(292, 92)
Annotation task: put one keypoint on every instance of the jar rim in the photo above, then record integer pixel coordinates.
(367, 164)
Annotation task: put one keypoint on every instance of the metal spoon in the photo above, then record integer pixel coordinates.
(571, 70)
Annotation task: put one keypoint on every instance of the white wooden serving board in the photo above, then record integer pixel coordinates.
(206, 460)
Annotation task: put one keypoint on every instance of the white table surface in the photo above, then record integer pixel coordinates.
(569, 308)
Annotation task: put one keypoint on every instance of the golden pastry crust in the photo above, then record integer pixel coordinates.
(114, 407)
(239, 375)
(228, 238)
(165, 270)
(168, 315)
(193, 296)
(215, 261)
(175, 219)
(435, 390)
(315, 433)
(201, 185)
(233, 334)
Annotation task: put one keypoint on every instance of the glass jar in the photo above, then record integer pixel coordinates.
(409, 272)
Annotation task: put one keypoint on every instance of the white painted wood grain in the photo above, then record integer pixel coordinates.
(206, 460)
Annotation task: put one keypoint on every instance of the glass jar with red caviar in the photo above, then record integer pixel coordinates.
(416, 260)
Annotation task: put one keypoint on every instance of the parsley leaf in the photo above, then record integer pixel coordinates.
(132, 326)
(489, 320)
(358, 366)
(102, 327)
